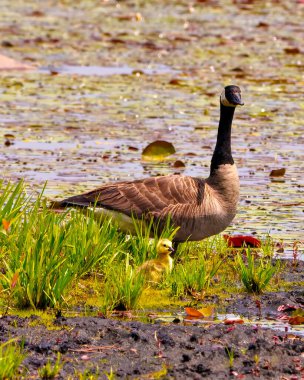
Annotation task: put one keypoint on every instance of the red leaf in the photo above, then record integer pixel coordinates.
(193, 312)
(233, 321)
(239, 241)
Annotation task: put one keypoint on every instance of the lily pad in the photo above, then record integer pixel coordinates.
(158, 150)
(277, 172)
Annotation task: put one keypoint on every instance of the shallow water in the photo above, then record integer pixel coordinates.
(257, 322)
(107, 71)
(103, 94)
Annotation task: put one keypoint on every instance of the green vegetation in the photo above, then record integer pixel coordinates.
(49, 259)
(123, 288)
(230, 354)
(194, 277)
(255, 273)
(49, 370)
(11, 357)
(45, 252)
(110, 375)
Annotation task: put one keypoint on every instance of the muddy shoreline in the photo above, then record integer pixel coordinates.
(135, 350)
(192, 349)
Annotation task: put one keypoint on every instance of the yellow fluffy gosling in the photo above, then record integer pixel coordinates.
(153, 270)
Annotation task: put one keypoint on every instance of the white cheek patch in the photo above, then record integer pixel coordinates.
(224, 101)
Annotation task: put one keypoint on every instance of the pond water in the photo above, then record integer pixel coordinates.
(103, 90)
(107, 71)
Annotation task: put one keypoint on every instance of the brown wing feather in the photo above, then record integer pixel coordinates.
(157, 195)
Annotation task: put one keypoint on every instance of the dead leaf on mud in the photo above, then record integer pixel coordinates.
(193, 313)
(87, 349)
(206, 311)
(233, 321)
(298, 320)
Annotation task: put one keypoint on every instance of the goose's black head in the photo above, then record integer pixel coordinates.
(231, 96)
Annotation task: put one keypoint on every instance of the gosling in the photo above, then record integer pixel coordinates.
(153, 270)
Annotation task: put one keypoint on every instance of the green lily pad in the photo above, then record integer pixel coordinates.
(157, 151)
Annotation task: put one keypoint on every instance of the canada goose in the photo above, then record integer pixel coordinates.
(200, 208)
(154, 269)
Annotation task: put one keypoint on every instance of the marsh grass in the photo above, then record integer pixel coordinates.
(36, 270)
(254, 272)
(90, 245)
(198, 264)
(45, 252)
(140, 246)
(11, 357)
(123, 287)
(194, 277)
(13, 199)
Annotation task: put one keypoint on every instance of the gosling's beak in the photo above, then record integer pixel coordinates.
(236, 99)
(171, 249)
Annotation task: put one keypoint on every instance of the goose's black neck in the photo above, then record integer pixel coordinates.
(222, 152)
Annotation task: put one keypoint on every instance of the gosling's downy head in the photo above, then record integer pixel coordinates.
(164, 246)
(231, 96)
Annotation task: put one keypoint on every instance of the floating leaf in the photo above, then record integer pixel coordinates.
(179, 164)
(277, 172)
(133, 148)
(292, 50)
(239, 241)
(176, 82)
(157, 150)
(9, 136)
